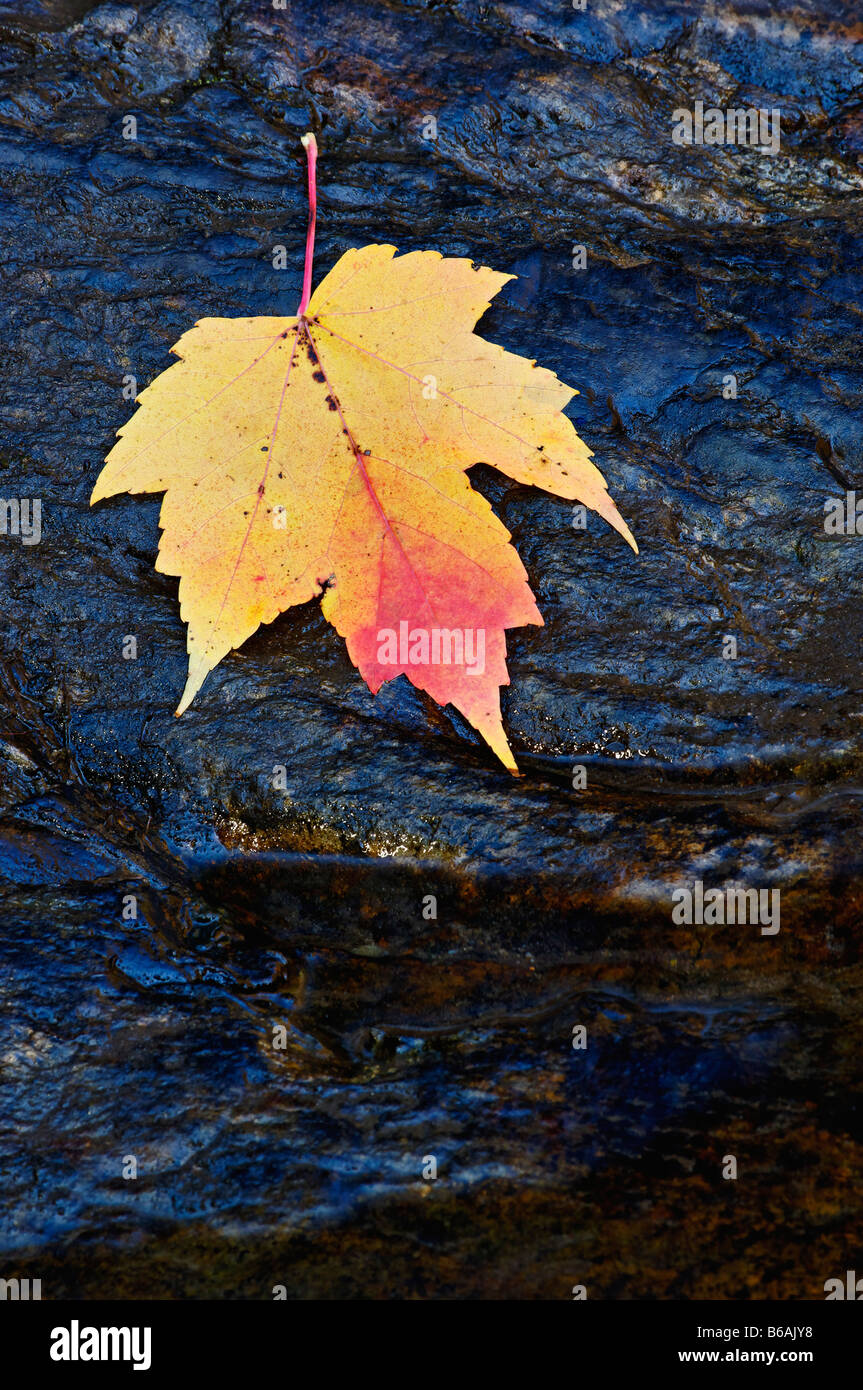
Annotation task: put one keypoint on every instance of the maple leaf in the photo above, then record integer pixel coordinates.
(327, 452)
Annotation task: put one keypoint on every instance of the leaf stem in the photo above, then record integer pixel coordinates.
(311, 148)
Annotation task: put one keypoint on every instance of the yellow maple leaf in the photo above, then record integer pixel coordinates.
(328, 452)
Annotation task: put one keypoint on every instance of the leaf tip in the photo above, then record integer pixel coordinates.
(188, 696)
(100, 490)
(499, 745)
(624, 531)
(608, 511)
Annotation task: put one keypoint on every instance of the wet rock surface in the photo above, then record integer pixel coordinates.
(408, 1037)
